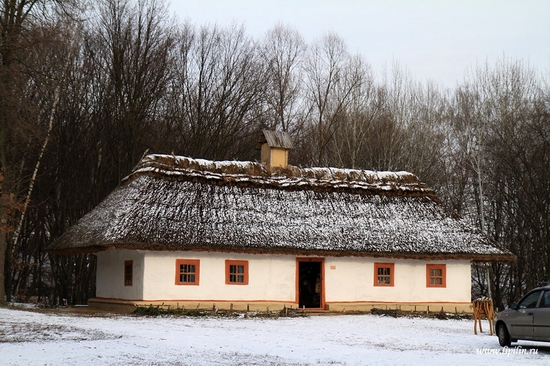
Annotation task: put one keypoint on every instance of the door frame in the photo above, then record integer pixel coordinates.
(322, 274)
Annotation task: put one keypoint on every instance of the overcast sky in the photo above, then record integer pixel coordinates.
(436, 40)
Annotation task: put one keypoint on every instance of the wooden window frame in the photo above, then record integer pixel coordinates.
(429, 277)
(194, 262)
(228, 264)
(128, 277)
(380, 265)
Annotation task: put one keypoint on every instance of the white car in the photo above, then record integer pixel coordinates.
(529, 319)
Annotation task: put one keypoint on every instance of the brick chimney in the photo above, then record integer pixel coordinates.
(274, 146)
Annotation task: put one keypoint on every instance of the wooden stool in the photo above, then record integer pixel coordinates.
(483, 307)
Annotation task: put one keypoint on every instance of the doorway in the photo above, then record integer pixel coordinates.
(310, 283)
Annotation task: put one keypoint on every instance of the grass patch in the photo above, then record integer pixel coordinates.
(395, 313)
(160, 310)
(166, 311)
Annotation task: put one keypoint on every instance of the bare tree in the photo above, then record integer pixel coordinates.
(13, 17)
(353, 137)
(283, 52)
(499, 157)
(78, 167)
(329, 87)
(132, 48)
(18, 19)
(217, 90)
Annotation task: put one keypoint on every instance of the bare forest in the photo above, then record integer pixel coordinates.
(87, 88)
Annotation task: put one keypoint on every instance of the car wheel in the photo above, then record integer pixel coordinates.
(503, 336)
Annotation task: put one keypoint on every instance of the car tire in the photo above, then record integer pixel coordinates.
(503, 336)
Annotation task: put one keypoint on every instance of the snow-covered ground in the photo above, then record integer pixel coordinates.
(33, 338)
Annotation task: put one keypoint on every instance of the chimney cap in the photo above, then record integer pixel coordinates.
(279, 139)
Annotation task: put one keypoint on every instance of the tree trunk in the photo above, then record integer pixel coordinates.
(3, 231)
(2, 252)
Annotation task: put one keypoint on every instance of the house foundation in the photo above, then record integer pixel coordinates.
(129, 306)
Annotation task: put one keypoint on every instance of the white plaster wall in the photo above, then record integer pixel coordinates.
(271, 277)
(352, 279)
(110, 275)
(347, 279)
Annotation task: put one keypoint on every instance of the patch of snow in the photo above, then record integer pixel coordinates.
(39, 338)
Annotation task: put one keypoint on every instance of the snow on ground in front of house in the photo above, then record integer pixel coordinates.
(33, 338)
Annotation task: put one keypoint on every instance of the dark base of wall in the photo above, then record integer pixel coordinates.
(129, 306)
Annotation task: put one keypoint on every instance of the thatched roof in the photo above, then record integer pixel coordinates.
(178, 203)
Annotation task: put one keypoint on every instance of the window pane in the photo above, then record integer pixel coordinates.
(383, 275)
(191, 268)
(530, 301)
(436, 281)
(128, 269)
(545, 301)
(232, 278)
(241, 269)
(436, 272)
(191, 278)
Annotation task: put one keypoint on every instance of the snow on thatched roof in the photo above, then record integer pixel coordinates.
(178, 203)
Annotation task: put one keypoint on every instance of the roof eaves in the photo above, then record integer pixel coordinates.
(501, 257)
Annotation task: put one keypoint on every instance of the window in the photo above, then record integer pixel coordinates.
(236, 272)
(128, 272)
(383, 274)
(530, 301)
(436, 275)
(545, 300)
(187, 271)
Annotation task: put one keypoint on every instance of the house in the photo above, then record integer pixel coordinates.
(245, 235)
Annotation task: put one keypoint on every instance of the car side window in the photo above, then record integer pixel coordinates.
(530, 301)
(545, 300)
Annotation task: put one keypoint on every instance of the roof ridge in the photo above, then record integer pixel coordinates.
(246, 173)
